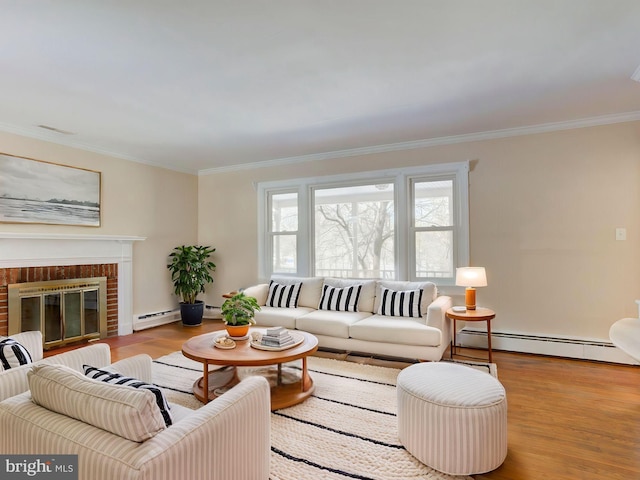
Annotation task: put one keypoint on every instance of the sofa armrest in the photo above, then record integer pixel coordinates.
(436, 317)
(138, 367)
(436, 313)
(259, 292)
(235, 423)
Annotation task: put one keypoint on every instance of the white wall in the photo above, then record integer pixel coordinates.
(544, 209)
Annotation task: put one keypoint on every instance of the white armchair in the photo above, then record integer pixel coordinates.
(210, 443)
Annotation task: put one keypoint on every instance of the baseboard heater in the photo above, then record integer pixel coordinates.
(155, 319)
(586, 349)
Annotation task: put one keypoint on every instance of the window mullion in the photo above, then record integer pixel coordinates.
(305, 233)
(404, 247)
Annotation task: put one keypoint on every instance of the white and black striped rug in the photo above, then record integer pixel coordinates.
(346, 430)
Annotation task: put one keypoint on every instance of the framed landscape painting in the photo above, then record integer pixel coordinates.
(33, 191)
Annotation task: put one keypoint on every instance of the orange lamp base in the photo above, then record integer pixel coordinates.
(470, 298)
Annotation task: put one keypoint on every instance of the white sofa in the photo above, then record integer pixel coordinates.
(209, 443)
(365, 330)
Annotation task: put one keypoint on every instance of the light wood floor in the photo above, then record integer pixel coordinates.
(567, 419)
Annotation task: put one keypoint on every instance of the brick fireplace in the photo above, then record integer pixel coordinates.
(9, 276)
(43, 257)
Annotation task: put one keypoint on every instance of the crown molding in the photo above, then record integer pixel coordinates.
(431, 142)
(352, 152)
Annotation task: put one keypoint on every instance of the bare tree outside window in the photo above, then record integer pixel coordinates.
(354, 231)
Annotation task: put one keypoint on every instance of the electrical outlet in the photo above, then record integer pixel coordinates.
(621, 233)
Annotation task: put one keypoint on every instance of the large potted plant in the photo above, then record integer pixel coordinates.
(238, 312)
(190, 272)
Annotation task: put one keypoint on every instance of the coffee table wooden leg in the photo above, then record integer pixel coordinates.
(213, 384)
(205, 383)
(489, 340)
(305, 381)
(279, 377)
(453, 344)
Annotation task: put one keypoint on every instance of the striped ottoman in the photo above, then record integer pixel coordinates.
(452, 418)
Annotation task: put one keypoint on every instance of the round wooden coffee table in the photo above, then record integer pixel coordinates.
(283, 395)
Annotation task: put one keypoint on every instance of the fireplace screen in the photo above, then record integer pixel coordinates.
(63, 310)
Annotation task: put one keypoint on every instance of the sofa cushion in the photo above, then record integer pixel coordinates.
(367, 294)
(429, 294)
(330, 323)
(118, 379)
(400, 303)
(401, 330)
(280, 317)
(309, 292)
(340, 299)
(283, 296)
(128, 412)
(13, 354)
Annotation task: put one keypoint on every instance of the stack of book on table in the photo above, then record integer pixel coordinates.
(277, 337)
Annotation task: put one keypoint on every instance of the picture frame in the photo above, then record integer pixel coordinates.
(35, 191)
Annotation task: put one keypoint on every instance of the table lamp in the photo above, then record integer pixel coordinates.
(471, 277)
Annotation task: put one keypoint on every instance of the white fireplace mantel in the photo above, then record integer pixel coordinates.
(48, 249)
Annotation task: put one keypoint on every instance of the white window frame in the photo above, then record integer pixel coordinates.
(412, 229)
(401, 178)
(269, 232)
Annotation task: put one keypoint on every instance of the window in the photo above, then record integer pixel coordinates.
(283, 232)
(408, 224)
(354, 231)
(432, 229)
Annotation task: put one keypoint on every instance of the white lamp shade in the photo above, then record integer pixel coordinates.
(471, 277)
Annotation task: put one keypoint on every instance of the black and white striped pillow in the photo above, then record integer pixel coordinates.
(13, 354)
(283, 296)
(340, 299)
(402, 303)
(117, 379)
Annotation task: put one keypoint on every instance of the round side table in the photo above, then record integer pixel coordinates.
(480, 314)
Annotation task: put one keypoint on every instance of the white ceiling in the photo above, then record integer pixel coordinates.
(196, 85)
